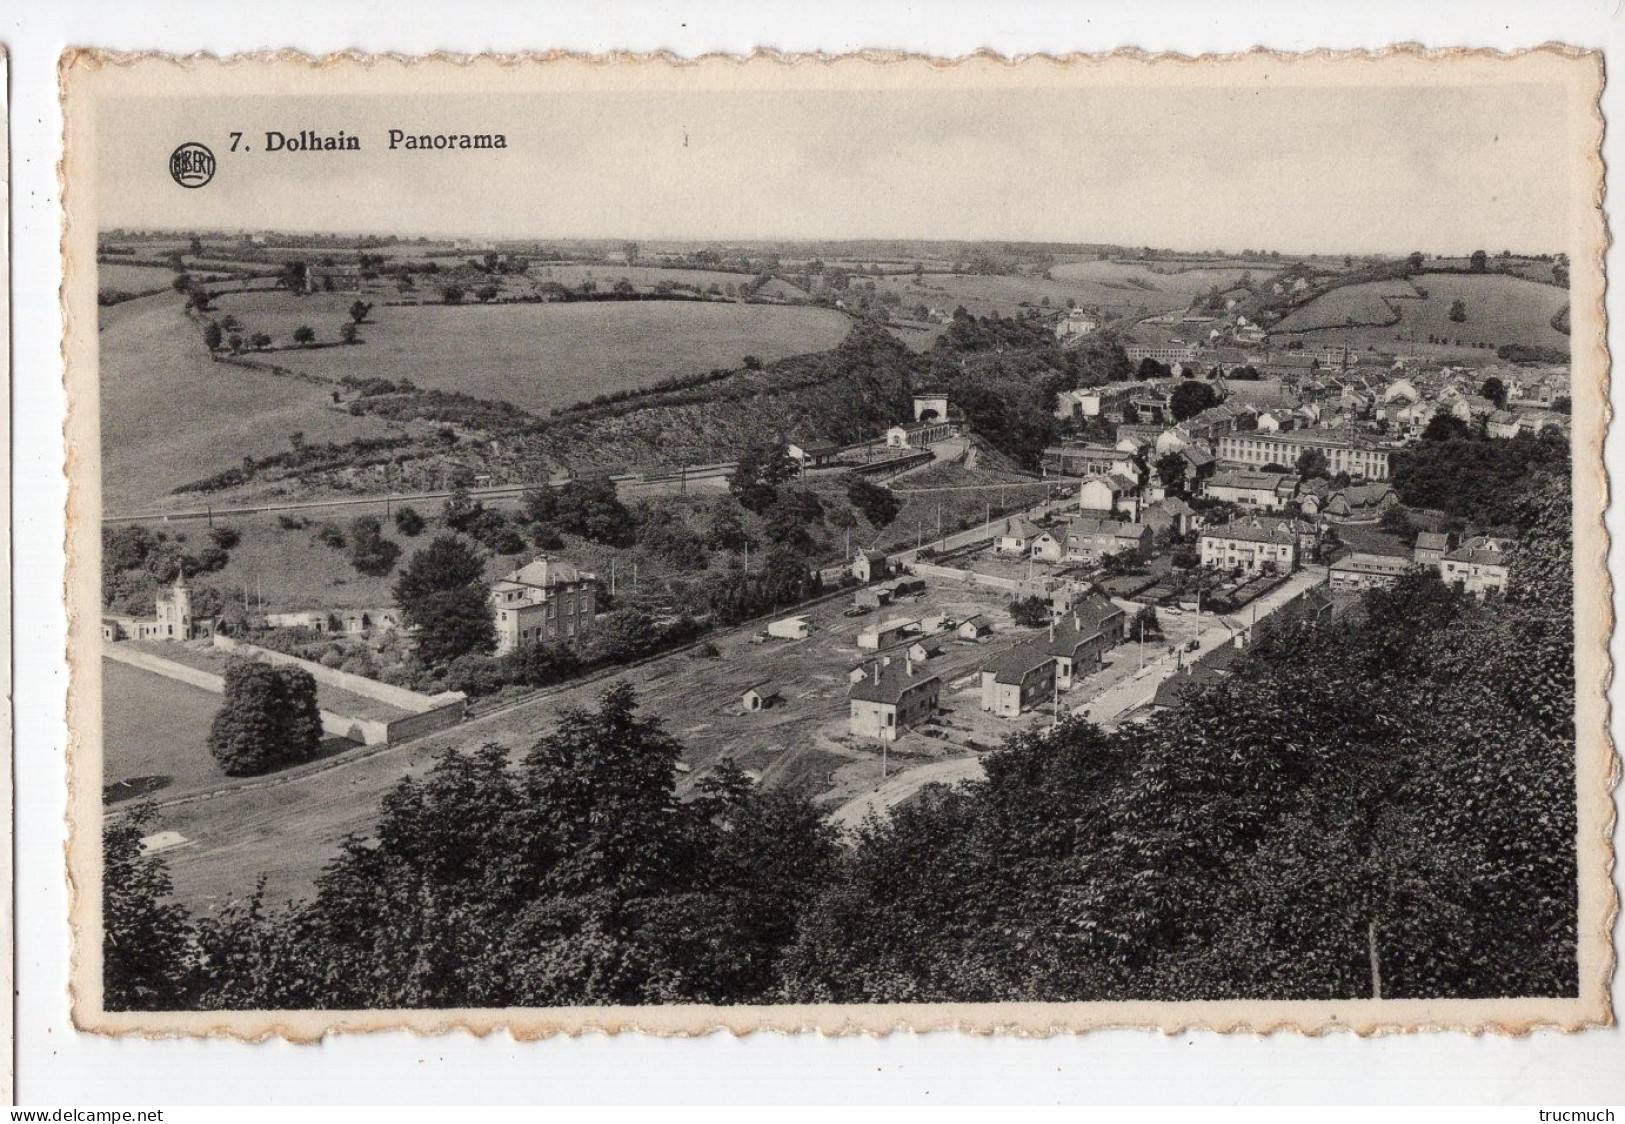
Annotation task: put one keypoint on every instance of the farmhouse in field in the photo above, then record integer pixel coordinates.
(543, 600)
(891, 700)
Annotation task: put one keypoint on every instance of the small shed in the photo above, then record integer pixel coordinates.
(974, 628)
(873, 597)
(887, 633)
(923, 650)
(759, 696)
(790, 628)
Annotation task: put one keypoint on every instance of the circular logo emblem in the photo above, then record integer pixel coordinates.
(192, 164)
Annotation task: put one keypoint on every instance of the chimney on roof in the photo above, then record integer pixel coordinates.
(877, 673)
(908, 666)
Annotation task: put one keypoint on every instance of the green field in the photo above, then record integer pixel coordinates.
(1500, 310)
(154, 726)
(644, 278)
(1128, 289)
(539, 356)
(117, 277)
(1365, 304)
(170, 415)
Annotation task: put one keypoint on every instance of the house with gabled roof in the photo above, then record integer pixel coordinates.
(1479, 566)
(869, 565)
(974, 627)
(1252, 545)
(1017, 536)
(1087, 538)
(1077, 645)
(892, 699)
(759, 696)
(1017, 680)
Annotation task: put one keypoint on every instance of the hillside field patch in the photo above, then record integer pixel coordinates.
(541, 356)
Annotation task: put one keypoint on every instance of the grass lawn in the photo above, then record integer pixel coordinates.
(539, 356)
(153, 726)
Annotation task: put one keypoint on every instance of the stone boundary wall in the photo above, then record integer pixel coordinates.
(365, 730)
(394, 696)
(1009, 585)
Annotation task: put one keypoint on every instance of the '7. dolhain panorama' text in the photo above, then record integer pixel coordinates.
(310, 140)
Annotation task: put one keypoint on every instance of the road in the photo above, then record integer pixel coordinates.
(1106, 709)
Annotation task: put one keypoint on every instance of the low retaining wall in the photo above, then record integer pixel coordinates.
(146, 661)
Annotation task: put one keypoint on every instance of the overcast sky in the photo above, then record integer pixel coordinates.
(1387, 169)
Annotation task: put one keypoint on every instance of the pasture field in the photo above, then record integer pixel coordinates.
(1364, 304)
(644, 278)
(140, 279)
(1532, 269)
(1131, 290)
(1166, 276)
(154, 726)
(170, 415)
(1500, 310)
(539, 356)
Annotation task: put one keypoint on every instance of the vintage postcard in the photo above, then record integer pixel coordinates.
(837, 544)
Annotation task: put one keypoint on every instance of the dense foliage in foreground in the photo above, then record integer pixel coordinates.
(1384, 802)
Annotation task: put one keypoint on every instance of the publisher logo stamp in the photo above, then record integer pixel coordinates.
(192, 164)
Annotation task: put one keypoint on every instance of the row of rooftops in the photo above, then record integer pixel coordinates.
(1088, 619)
(1262, 529)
